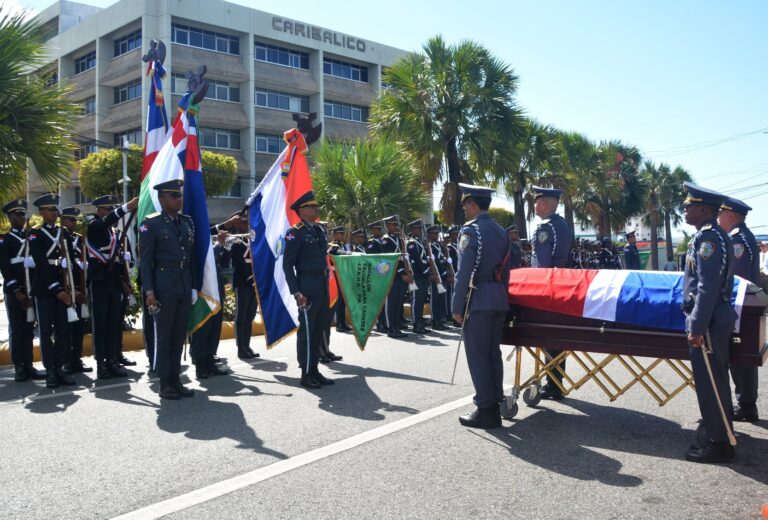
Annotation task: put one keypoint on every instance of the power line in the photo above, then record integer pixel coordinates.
(685, 149)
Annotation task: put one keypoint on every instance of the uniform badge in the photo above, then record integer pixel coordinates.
(33, 236)
(383, 268)
(290, 236)
(738, 250)
(542, 236)
(143, 228)
(463, 242)
(706, 249)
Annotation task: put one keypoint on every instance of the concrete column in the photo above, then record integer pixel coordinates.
(104, 95)
(246, 96)
(316, 101)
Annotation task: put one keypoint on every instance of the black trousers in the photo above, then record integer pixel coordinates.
(745, 383)
(482, 337)
(148, 326)
(20, 331)
(245, 312)
(313, 325)
(340, 309)
(418, 298)
(106, 320)
(54, 331)
(76, 329)
(719, 360)
(205, 341)
(394, 305)
(170, 332)
(436, 304)
(556, 373)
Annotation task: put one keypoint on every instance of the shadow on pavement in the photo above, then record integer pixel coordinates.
(57, 404)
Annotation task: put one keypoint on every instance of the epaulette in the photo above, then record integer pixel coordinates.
(299, 224)
(706, 227)
(734, 231)
(469, 223)
(153, 215)
(545, 221)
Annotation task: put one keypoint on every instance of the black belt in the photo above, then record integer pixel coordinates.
(182, 264)
(324, 272)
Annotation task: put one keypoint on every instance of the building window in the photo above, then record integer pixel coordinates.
(281, 55)
(128, 91)
(128, 43)
(235, 190)
(83, 151)
(213, 41)
(220, 138)
(267, 143)
(342, 69)
(86, 62)
(220, 90)
(281, 100)
(80, 198)
(346, 111)
(89, 106)
(51, 79)
(135, 136)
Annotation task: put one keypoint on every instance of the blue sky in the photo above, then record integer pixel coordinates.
(661, 75)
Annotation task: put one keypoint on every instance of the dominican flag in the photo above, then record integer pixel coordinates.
(650, 299)
(157, 119)
(179, 158)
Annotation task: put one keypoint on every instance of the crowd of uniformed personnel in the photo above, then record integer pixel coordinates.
(52, 272)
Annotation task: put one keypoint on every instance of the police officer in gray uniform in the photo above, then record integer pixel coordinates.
(746, 263)
(707, 288)
(631, 255)
(551, 248)
(305, 264)
(417, 256)
(166, 246)
(517, 249)
(481, 301)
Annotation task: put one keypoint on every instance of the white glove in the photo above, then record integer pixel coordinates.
(194, 296)
(450, 260)
(63, 263)
(127, 256)
(29, 262)
(80, 263)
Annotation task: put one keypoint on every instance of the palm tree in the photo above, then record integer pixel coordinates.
(671, 200)
(35, 117)
(359, 182)
(578, 158)
(654, 178)
(445, 104)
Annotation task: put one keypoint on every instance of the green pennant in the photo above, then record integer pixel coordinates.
(364, 282)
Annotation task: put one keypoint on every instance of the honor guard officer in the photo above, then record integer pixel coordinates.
(607, 259)
(437, 303)
(452, 246)
(306, 272)
(746, 263)
(516, 259)
(481, 303)
(551, 248)
(417, 256)
(74, 362)
(631, 256)
(358, 241)
(167, 264)
(392, 243)
(244, 285)
(338, 247)
(105, 283)
(707, 288)
(14, 264)
(373, 247)
(51, 300)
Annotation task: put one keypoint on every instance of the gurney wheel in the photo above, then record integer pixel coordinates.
(532, 396)
(506, 411)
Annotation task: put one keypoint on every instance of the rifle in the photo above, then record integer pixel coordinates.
(126, 272)
(449, 261)
(84, 313)
(406, 259)
(27, 283)
(69, 281)
(433, 268)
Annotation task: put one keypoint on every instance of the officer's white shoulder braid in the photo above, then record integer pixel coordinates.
(153, 215)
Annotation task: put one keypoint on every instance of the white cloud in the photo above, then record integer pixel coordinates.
(15, 7)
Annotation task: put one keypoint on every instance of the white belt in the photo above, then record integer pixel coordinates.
(17, 260)
(54, 262)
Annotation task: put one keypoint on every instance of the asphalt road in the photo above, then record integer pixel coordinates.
(384, 442)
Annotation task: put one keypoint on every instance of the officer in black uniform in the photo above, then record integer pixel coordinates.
(105, 284)
(607, 259)
(74, 363)
(338, 247)
(51, 300)
(358, 241)
(306, 272)
(746, 263)
(204, 342)
(516, 257)
(631, 256)
(125, 262)
(391, 243)
(707, 288)
(167, 264)
(436, 298)
(417, 256)
(13, 256)
(244, 285)
(484, 253)
(551, 248)
(373, 247)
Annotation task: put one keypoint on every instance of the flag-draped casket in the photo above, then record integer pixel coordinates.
(621, 312)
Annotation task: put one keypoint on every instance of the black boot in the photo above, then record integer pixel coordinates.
(484, 418)
(181, 389)
(201, 369)
(33, 373)
(309, 381)
(102, 372)
(168, 390)
(334, 357)
(552, 392)
(711, 453)
(125, 361)
(51, 381)
(20, 375)
(324, 359)
(69, 369)
(63, 379)
(246, 353)
(116, 370)
(214, 369)
(320, 378)
(746, 413)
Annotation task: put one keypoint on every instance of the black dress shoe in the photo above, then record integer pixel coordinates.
(485, 418)
(116, 370)
(320, 378)
(420, 330)
(308, 381)
(552, 393)
(68, 369)
(181, 389)
(20, 375)
(396, 335)
(126, 362)
(201, 371)
(35, 374)
(79, 367)
(214, 369)
(246, 353)
(381, 328)
(334, 357)
(63, 379)
(746, 413)
(324, 359)
(102, 372)
(712, 453)
(169, 391)
(51, 381)
(343, 328)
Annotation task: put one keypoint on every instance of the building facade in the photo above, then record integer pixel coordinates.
(262, 69)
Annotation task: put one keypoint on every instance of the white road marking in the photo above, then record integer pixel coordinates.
(207, 493)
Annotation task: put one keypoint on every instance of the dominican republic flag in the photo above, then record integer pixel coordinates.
(179, 158)
(157, 119)
(270, 219)
(650, 299)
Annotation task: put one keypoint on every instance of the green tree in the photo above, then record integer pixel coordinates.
(653, 179)
(671, 200)
(446, 104)
(578, 159)
(357, 183)
(102, 171)
(36, 118)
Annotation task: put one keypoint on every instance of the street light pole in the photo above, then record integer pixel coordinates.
(125, 169)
